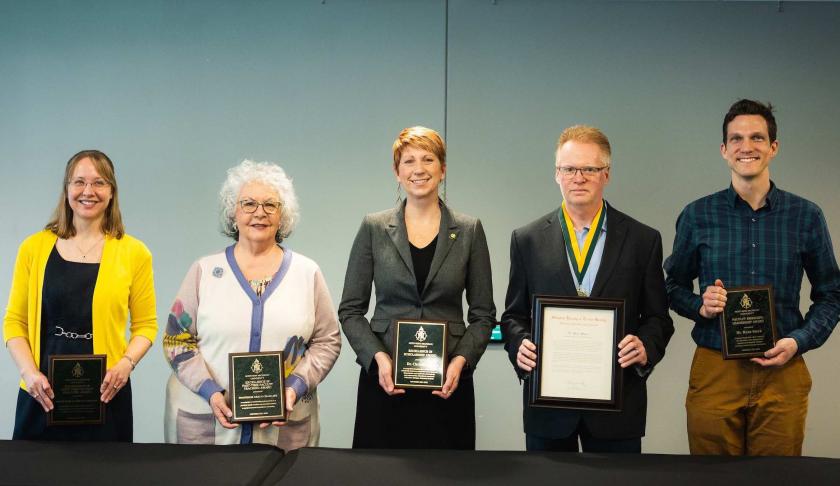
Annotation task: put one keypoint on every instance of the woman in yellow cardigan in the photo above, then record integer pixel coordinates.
(74, 285)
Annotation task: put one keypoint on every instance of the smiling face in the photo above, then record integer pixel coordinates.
(748, 149)
(88, 193)
(581, 190)
(419, 172)
(259, 226)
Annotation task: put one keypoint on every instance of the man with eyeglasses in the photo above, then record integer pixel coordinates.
(750, 234)
(586, 248)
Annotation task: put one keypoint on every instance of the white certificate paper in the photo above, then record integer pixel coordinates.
(578, 351)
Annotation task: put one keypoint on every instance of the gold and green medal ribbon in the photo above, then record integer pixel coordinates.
(581, 256)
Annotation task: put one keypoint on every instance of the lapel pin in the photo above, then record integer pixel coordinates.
(452, 236)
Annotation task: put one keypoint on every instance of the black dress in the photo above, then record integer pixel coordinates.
(417, 419)
(67, 328)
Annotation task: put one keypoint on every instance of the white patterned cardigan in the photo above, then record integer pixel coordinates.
(216, 312)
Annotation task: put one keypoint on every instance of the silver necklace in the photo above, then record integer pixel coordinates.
(85, 253)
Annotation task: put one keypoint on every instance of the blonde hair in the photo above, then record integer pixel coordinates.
(587, 134)
(61, 222)
(420, 137)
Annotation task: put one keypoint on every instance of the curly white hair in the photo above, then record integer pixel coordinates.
(273, 176)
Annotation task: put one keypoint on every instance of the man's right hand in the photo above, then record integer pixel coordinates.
(526, 357)
(714, 299)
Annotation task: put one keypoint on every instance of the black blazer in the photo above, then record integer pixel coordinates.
(381, 256)
(631, 269)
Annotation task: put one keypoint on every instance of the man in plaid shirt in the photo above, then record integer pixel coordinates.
(752, 233)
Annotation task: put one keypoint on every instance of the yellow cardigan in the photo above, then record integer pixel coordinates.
(124, 284)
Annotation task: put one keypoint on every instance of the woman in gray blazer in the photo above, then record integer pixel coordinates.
(422, 257)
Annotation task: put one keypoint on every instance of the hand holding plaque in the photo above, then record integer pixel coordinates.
(576, 365)
(748, 322)
(420, 354)
(257, 391)
(75, 379)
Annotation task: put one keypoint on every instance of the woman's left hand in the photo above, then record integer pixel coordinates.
(115, 379)
(453, 374)
(291, 398)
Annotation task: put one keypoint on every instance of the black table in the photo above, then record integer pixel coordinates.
(23, 462)
(117, 464)
(348, 467)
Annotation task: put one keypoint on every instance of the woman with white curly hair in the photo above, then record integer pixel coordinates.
(257, 295)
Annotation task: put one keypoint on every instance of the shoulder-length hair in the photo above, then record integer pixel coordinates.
(61, 222)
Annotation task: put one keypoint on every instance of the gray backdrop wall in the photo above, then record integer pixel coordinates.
(176, 92)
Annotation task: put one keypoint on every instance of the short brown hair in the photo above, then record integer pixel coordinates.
(61, 222)
(751, 107)
(420, 137)
(587, 134)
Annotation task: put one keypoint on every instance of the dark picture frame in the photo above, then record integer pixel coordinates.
(577, 353)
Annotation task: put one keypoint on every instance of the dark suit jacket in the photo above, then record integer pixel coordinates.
(381, 256)
(631, 269)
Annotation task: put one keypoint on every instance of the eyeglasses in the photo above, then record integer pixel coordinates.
(569, 172)
(250, 206)
(82, 184)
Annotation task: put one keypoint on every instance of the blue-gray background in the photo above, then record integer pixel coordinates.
(178, 91)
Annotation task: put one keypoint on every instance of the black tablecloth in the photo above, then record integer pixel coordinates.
(23, 462)
(117, 464)
(347, 467)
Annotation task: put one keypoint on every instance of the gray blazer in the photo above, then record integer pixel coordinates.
(381, 256)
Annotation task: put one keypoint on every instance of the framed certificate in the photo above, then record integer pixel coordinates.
(419, 354)
(748, 322)
(257, 392)
(75, 379)
(577, 353)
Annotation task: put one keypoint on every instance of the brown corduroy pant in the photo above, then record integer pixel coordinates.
(737, 407)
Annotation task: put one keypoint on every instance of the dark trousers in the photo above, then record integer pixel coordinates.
(588, 443)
